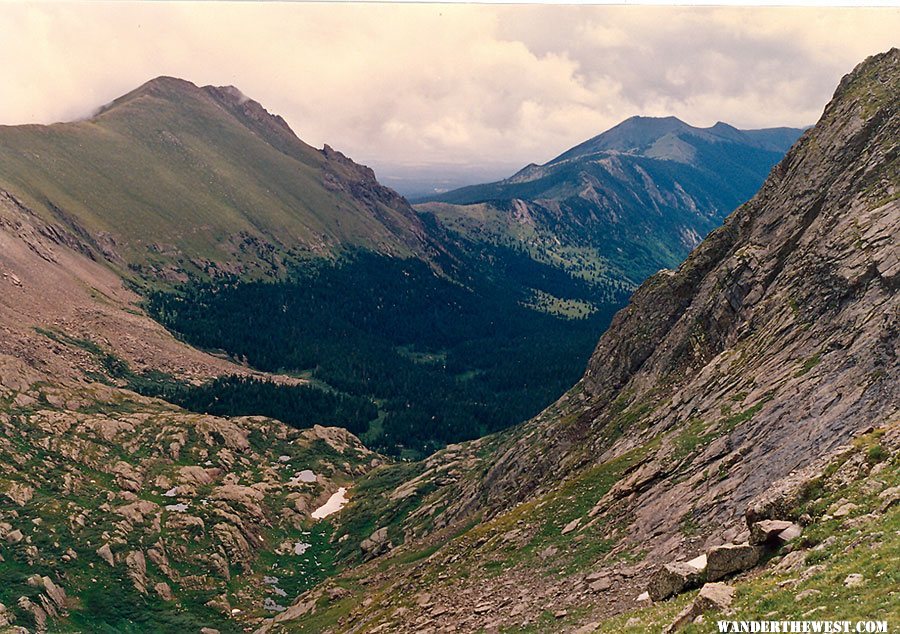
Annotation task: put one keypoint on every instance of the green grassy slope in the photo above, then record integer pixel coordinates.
(172, 167)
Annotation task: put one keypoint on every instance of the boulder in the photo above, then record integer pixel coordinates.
(805, 594)
(14, 537)
(20, 493)
(105, 553)
(673, 578)
(600, 585)
(791, 533)
(6, 617)
(56, 594)
(889, 497)
(728, 559)
(698, 562)
(163, 591)
(844, 510)
(376, 544)
(766, 531)
(37, 613)
(137, 570)
(712, 596)
(197, 476)
(127, 477)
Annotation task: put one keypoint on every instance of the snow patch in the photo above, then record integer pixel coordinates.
(334, 504)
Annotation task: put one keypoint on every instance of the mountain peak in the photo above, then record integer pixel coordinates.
(671, 138)
(164, 86)
(168, 82)
(638, 119)
(632, 135)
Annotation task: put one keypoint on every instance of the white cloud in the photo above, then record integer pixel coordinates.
(439, 83)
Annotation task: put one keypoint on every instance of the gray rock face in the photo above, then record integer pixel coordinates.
(787, 314)
(728, 559)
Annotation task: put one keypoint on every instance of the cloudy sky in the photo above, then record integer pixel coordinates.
(425, 84)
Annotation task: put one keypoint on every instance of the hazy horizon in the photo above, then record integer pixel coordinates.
(413, 87)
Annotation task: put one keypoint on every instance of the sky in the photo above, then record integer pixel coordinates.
(450, 85)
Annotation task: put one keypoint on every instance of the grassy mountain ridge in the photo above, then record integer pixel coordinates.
(199, 195)
(175, 175)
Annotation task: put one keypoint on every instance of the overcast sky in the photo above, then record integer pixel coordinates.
(416, 84)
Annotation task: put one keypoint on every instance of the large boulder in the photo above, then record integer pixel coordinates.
(106, 554)
(728, 559)
(673, 578)
(137, 570)
(768, 531)
(712, 597)
(376, 544)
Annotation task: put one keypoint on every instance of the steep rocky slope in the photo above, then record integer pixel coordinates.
(774, 344)
(124, 514)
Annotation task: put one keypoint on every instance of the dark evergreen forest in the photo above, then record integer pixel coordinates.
(421, 357)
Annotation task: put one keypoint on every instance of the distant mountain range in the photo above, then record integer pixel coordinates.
(623, 204)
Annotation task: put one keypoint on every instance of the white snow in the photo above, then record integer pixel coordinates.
(334, 504)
